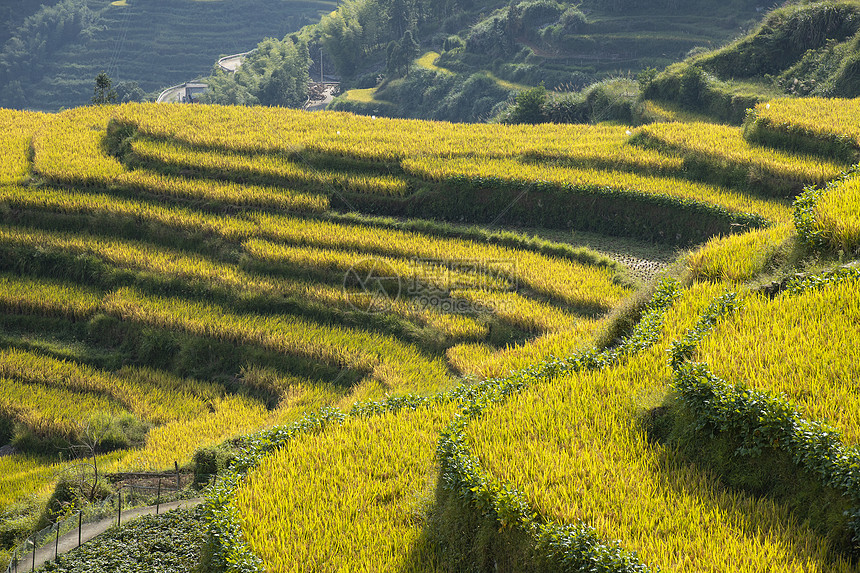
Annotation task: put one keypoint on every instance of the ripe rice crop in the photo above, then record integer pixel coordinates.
(28, 479)
(802, 346)
(23, 477)
(738, 258)
(69, 149)
(415, 273)
(154, 397)
(484, 361)
(50, 411)
(360, 506)
(268, 168)
(596, 181)
(394, 365)
(82, 202)
(221, 192)
(48, 298)
(66, 300)
(228, 417)
(72, 150)
(589, 459)
(258, 130)
(722, 151)
(16, 132)
(139, 255)
(813, 124)
(567, 281)
(524, 313)
(836, 216)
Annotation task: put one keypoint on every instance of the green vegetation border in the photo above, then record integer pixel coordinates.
(757, 424)
(495, 506)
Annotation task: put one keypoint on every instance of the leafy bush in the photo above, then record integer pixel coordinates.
(691, 88)
(210, 461)
(48, 30)
(529, 106)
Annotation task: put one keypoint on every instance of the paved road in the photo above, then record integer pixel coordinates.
(319, 105)
(170, 95)
(69, 541)
(232, 63)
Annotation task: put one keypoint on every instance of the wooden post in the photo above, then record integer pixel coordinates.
(176, 465)
(118, 508)
(57, 542)
(80, 526)
(34, 553)
(158, 497)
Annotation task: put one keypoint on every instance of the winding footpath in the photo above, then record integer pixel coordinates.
(69, 541)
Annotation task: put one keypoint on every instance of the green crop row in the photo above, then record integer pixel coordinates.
(758, 422)
(548, 545)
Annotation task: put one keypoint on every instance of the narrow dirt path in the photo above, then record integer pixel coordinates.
(69, 541)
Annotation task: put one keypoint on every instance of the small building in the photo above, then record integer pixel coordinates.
(189, 92)
(192, 92)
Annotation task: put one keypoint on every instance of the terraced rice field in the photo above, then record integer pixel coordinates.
(419, 389)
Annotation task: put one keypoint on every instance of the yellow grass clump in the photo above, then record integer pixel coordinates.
(353, 497)
(825, 118)
(17, 129)
(837, 216)
(724, 146)
(739, 258)
(801, 346)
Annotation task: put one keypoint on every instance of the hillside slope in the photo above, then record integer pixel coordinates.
(800, 49)
(52, 55)
(343, 315)
(490, 50)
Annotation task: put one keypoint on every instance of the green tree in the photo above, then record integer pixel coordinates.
(394, 59)
(103, 93)
(129, 91)
(275, 74)
(410, 49)
(529, 106)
